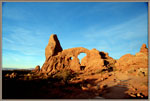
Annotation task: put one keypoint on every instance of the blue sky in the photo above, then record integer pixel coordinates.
(118, 28)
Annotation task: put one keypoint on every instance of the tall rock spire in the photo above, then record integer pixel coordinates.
(53, 46)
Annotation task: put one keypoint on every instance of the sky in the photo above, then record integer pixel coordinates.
(117, 28)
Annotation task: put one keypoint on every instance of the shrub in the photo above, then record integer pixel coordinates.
(30, 77)
(64, 75)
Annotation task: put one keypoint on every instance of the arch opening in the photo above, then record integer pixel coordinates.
(71, 58)
(80, 57)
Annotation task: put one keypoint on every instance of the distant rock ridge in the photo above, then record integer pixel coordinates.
(59, 59)
(139, 60)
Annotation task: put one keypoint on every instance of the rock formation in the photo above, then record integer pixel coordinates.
(144, 49)
(139, 60)
(37, 69)
(53, 47)
(13, 75)
(58, 59)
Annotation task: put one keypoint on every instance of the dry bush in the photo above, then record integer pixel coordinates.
(64, 75)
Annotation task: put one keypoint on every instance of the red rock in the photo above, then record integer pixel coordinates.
(37, 69)
(144, 49)
(56, 59)
(13, 75)
(139, 60)
(53, 47)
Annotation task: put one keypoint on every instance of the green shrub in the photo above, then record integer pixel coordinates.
(64, 75)
(30, 77)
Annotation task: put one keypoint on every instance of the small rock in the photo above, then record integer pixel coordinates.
(13, 75)
(84, 88)
(138, 94)
(88, 85)
(133, 95)
(7, 75)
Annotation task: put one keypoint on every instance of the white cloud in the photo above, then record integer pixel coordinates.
(23, 41)
(22, 48)
(123, 38)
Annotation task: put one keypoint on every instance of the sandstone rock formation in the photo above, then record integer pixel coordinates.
(53, 46)
(37, 69)
(58, 59)
(144, 49)
(13, 75)
(139, 60)
(107, 61)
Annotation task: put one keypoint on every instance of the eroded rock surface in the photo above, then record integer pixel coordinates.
(57, 59)
(144, 49)
(53, 47)
(37, 69)
(139, 60)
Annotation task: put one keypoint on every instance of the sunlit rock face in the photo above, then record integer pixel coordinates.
(53, 47)
(144, 49)
(57, 59)
(139, 60)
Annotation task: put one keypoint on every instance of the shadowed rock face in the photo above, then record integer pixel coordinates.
(56, 59)
(37, 69)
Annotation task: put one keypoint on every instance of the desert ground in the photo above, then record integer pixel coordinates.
(68, 85)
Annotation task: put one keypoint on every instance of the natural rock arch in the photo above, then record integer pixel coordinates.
(58, 59)
(74, 52)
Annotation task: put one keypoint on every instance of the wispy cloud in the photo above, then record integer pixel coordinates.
(108, 39)
(23, 41)
(23, 47)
